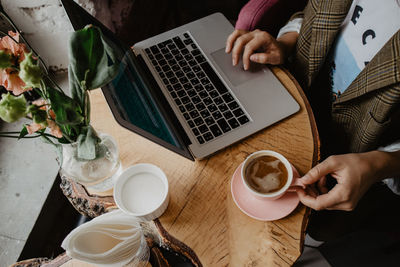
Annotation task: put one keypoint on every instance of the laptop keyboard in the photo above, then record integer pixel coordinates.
(208, 107)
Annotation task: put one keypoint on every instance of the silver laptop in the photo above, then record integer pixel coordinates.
(180, 90)
(216, 103)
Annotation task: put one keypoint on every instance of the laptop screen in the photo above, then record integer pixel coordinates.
(136, 105)
(134, 97)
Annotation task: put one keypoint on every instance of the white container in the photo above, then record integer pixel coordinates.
(142, 191)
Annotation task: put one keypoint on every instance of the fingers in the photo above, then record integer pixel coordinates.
(345, 206)
(241, 41)
(322, 185)
(245, 42)
(238, 48)
(345, 194)
(308, 191)
(231, 40)
(271, 56)
(253, 45)
(261, 58)
(320, 202)
(319, 171)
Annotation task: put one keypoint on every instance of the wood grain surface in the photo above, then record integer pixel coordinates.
(201, 212)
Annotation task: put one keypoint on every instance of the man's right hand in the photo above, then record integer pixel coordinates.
(260, 47)
(257, 46)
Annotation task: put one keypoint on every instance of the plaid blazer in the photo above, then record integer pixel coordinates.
(367, 114)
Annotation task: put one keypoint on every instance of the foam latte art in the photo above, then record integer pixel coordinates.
(266, 174)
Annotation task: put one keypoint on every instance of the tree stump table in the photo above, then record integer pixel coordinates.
(202, 221)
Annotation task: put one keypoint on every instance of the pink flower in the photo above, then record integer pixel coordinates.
(9, 77)
(14, 35)
(12, 46)
(40, 103)
(12, 82)
(34, 127)
(54, 129)
(52, 114)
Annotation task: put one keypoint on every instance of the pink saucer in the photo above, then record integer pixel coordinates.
(263, 210)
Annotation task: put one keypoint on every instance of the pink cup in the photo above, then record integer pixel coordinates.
(291, 182)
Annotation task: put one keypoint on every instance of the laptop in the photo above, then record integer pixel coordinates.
(180, 90)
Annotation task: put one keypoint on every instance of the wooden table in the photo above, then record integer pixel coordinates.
(201, 213)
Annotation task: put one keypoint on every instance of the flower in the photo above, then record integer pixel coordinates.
(30, 71)
(41, 103)
(12, 82)
(43, 117)
(39, 121)
(67, 118)
(10, 44)
(34, 127)
(12, 53)
(54, 129)
(12, 108)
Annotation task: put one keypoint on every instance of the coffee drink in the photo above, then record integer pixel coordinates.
(266, 174)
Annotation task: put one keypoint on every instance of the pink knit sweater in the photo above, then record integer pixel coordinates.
(268, 15)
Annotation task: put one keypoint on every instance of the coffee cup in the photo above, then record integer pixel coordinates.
(268, 175)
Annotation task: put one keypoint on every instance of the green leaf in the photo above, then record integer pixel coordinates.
(23, 133)
(40, 116)
(68, 135)
(86, 110)
(87, 144)
(76, 92)
(5, 60)
(92, 60)
(67, 110)
(47, 140)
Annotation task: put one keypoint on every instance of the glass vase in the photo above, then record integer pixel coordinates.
(98, 174)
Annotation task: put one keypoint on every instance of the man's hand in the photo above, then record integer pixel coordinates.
(260, 47)
(355, 173)
(257, 46)
(232, 38)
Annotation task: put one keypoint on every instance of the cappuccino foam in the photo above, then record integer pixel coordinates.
(266, 174)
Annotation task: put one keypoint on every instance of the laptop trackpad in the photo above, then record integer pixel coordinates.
(236, 74)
